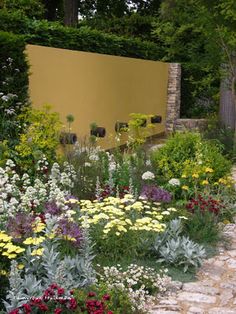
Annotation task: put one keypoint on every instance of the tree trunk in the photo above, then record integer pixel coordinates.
(70, 12)
(227, 99)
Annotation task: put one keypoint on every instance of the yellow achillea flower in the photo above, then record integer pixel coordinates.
(195, 175)
(38, 227)
(34, 241)
(3, 272)
(51, 235)
(205, 182)
(37, 252)
(209, 170)
(222, 180)
(184, 176)
(4, 237)
(9, 255)
(72, 201)
(185, 187)
(20, 266)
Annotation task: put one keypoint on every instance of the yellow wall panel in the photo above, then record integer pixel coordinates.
(97, 88)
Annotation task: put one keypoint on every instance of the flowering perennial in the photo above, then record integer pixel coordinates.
(122, 215)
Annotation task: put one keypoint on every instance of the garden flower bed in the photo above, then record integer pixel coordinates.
(101, 232)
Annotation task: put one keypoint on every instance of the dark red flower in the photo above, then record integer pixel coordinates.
(60, 291)
(43, 307)
(54, 286)
(27, 308)
(57, 311)
(16, 311)
(106, 297)
(72, 304)
(91, 294)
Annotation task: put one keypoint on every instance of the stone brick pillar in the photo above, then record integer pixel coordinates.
(173, 96)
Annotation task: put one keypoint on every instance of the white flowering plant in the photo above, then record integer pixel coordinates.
(139, 282)
(19, 193)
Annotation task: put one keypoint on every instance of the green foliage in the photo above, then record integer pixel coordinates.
(41, 136)
(202, 227)
(118, 300)
(134, 25)
(31, 8)
(184, 40)
(184, 152)
(84, 39)
(224, 135)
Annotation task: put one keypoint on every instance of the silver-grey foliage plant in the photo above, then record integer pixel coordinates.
(173, 248)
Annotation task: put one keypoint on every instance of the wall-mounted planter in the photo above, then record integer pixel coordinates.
(68, 138)
(156, 119)
(121, 127)
(98, 132)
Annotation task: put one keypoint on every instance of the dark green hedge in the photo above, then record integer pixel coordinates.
(13, 86)
(84, 39)
(13, 74)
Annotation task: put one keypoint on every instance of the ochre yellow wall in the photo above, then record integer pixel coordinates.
(97, 88)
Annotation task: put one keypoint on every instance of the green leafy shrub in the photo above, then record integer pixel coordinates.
(187, 151)
(41, 137)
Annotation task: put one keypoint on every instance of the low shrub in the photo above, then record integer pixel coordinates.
(40, 138)
(187, 153)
